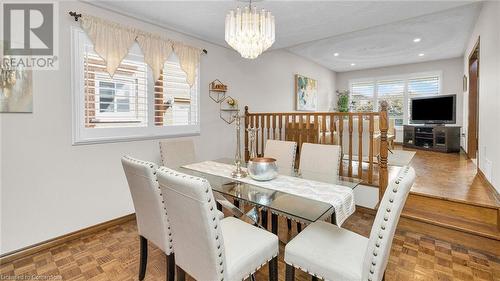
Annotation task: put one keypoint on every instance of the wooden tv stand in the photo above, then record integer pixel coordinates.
(432, 137)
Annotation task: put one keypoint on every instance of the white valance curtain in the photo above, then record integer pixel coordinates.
(112, 42)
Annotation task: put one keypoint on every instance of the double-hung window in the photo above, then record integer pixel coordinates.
(131, 104)
(368, 93)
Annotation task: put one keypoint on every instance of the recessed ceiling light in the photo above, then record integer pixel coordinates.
(336, 54)
(353, 64)
(416, 40)
(421, 55)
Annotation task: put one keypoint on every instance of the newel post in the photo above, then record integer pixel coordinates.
(247, 121)
(384, 126)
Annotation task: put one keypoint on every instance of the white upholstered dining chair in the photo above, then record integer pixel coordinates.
(152, 220)
(208, 248)
(284, 153)
(177, 152)
(332, 253)
(320, 162)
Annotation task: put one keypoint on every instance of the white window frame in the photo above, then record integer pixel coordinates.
(131, 115)
(82, 135)
(406, 78)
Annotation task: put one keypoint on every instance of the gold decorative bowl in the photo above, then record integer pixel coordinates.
(262, 168)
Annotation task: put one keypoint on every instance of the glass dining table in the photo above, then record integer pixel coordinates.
(262, 200)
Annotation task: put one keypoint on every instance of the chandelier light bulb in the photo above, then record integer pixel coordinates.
(249, 31)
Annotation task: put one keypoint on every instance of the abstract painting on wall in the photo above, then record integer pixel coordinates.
(16, 89)
(306, 93)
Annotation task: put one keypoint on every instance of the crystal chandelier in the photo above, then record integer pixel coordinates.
(250, 32)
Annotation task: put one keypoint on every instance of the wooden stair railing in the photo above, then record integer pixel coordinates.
(328, 128)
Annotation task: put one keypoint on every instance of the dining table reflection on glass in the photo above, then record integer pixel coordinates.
(293, 197)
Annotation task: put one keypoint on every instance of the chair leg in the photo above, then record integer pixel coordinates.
(273, 269)
(264, 216)
(299, 227)
(290, 273)
(143, 257)
(171, 267)
(289, 224)
(181, 274)
(274, 223)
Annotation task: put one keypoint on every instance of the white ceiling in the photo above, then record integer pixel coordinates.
(368, 33)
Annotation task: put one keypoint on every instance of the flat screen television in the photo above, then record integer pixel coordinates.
(433, 110)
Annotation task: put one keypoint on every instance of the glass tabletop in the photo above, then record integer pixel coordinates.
(289, 205)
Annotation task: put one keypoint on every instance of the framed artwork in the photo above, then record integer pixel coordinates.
(16, 87)
(306, 93)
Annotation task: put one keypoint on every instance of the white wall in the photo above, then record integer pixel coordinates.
(50, 188)
(487, 27)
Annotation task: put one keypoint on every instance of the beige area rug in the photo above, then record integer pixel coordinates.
(400, 157)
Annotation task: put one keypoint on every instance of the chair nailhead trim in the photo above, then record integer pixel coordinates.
(150, 165)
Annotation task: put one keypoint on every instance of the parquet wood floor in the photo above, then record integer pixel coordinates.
(113, 254)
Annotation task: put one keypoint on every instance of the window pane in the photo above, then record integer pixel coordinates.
(118, 101)
(362, 95)
(424, 86)
(395, 106)
(390, 88)
(175, 100)
(392, 91)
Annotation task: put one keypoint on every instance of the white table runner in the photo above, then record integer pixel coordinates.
(340, 197)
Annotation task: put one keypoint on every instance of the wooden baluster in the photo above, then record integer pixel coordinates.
(287, 127)
(268, 126)
(383, 172)
(316, 129)
(262, 126)
(360, 145)
(341, 143)
(274, 125)
(247, 152)
(308, 127)
(332, 128)
(370, 160)
(349, 168)
(301, 130)
(280, 124)
(257, 128)
(323, 128)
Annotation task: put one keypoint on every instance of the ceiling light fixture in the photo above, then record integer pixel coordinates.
(421, 55)
(250, 32)
(336, 54)
(353, 64)
(416, 40)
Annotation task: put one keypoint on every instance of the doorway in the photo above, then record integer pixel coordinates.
(473, 119)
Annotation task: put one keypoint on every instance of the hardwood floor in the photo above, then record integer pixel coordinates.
(451, 176)
(113, 254)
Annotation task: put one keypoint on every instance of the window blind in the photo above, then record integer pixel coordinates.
(363, 89)
(175, 102)
(118, 101)
(362, 94)
(390, 88)
(392, 91)
(424, 85)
